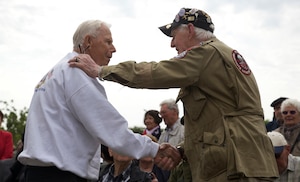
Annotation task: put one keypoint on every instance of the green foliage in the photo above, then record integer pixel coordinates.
(137, 129)
(266, 121)
(14, 120)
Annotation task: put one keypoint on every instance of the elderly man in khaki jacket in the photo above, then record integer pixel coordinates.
(225, 135)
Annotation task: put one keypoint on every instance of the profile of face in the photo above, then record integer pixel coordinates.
(183, 38)
(149, 122)
(101, 47)
(291, 115)
(179, 40)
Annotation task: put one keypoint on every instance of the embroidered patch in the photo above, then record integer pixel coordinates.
(240, 63)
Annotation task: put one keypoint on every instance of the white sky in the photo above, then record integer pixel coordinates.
(36, 34)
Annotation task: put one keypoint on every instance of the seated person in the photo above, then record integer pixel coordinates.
(123, 168)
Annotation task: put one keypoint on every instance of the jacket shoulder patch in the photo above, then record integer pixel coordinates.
(240, 63)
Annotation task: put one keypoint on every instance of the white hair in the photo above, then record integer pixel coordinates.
(201, 34)
(171, 103)
(290, 102)
(89, 27)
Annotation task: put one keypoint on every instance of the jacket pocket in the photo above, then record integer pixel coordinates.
(214, 153)
(193, 100)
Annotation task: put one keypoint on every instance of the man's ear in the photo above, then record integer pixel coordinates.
(191, 30)
(87, 40)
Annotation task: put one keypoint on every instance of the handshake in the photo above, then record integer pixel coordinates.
(167, 157)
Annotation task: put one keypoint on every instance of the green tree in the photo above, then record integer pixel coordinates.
(14, 120)
(137, 129)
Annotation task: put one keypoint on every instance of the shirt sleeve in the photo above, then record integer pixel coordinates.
(89, 103)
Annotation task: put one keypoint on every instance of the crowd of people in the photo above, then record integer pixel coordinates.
(222, 136)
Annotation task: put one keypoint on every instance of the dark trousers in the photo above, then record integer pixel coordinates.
(50, 174)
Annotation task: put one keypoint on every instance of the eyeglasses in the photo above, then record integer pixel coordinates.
(291, 112)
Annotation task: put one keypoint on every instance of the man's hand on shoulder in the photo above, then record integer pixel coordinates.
(86, 63)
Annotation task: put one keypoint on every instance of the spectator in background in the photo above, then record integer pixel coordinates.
(290, 109)
(17, 169)
(174, 132)
(6, 142)
(288, 165)
(152, 121)
(123, 168)
(277, 116)
(107, 159)
(147, 164)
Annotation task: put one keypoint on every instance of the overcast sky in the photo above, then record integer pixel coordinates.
(36, 34)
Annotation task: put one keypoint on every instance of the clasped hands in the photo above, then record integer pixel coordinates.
(167, 157)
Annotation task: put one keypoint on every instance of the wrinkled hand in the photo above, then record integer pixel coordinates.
(167, 157)
(86, 63)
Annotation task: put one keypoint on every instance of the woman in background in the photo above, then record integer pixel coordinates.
(152, 120)
(290, 109)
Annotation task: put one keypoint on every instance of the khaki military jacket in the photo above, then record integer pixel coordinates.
(224, 124)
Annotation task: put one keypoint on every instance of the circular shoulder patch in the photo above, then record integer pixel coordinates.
(240, 63)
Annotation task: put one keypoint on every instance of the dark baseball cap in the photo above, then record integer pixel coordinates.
(278, 101)
(197, 17)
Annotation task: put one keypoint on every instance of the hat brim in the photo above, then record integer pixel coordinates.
(278, 150)
(278, 101)
(167, 29)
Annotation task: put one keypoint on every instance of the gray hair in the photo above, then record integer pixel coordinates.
(171, 103)
(290, 102)
(89, 27)
(201, 34)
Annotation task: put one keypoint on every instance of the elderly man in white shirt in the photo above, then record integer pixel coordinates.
(70, 116)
